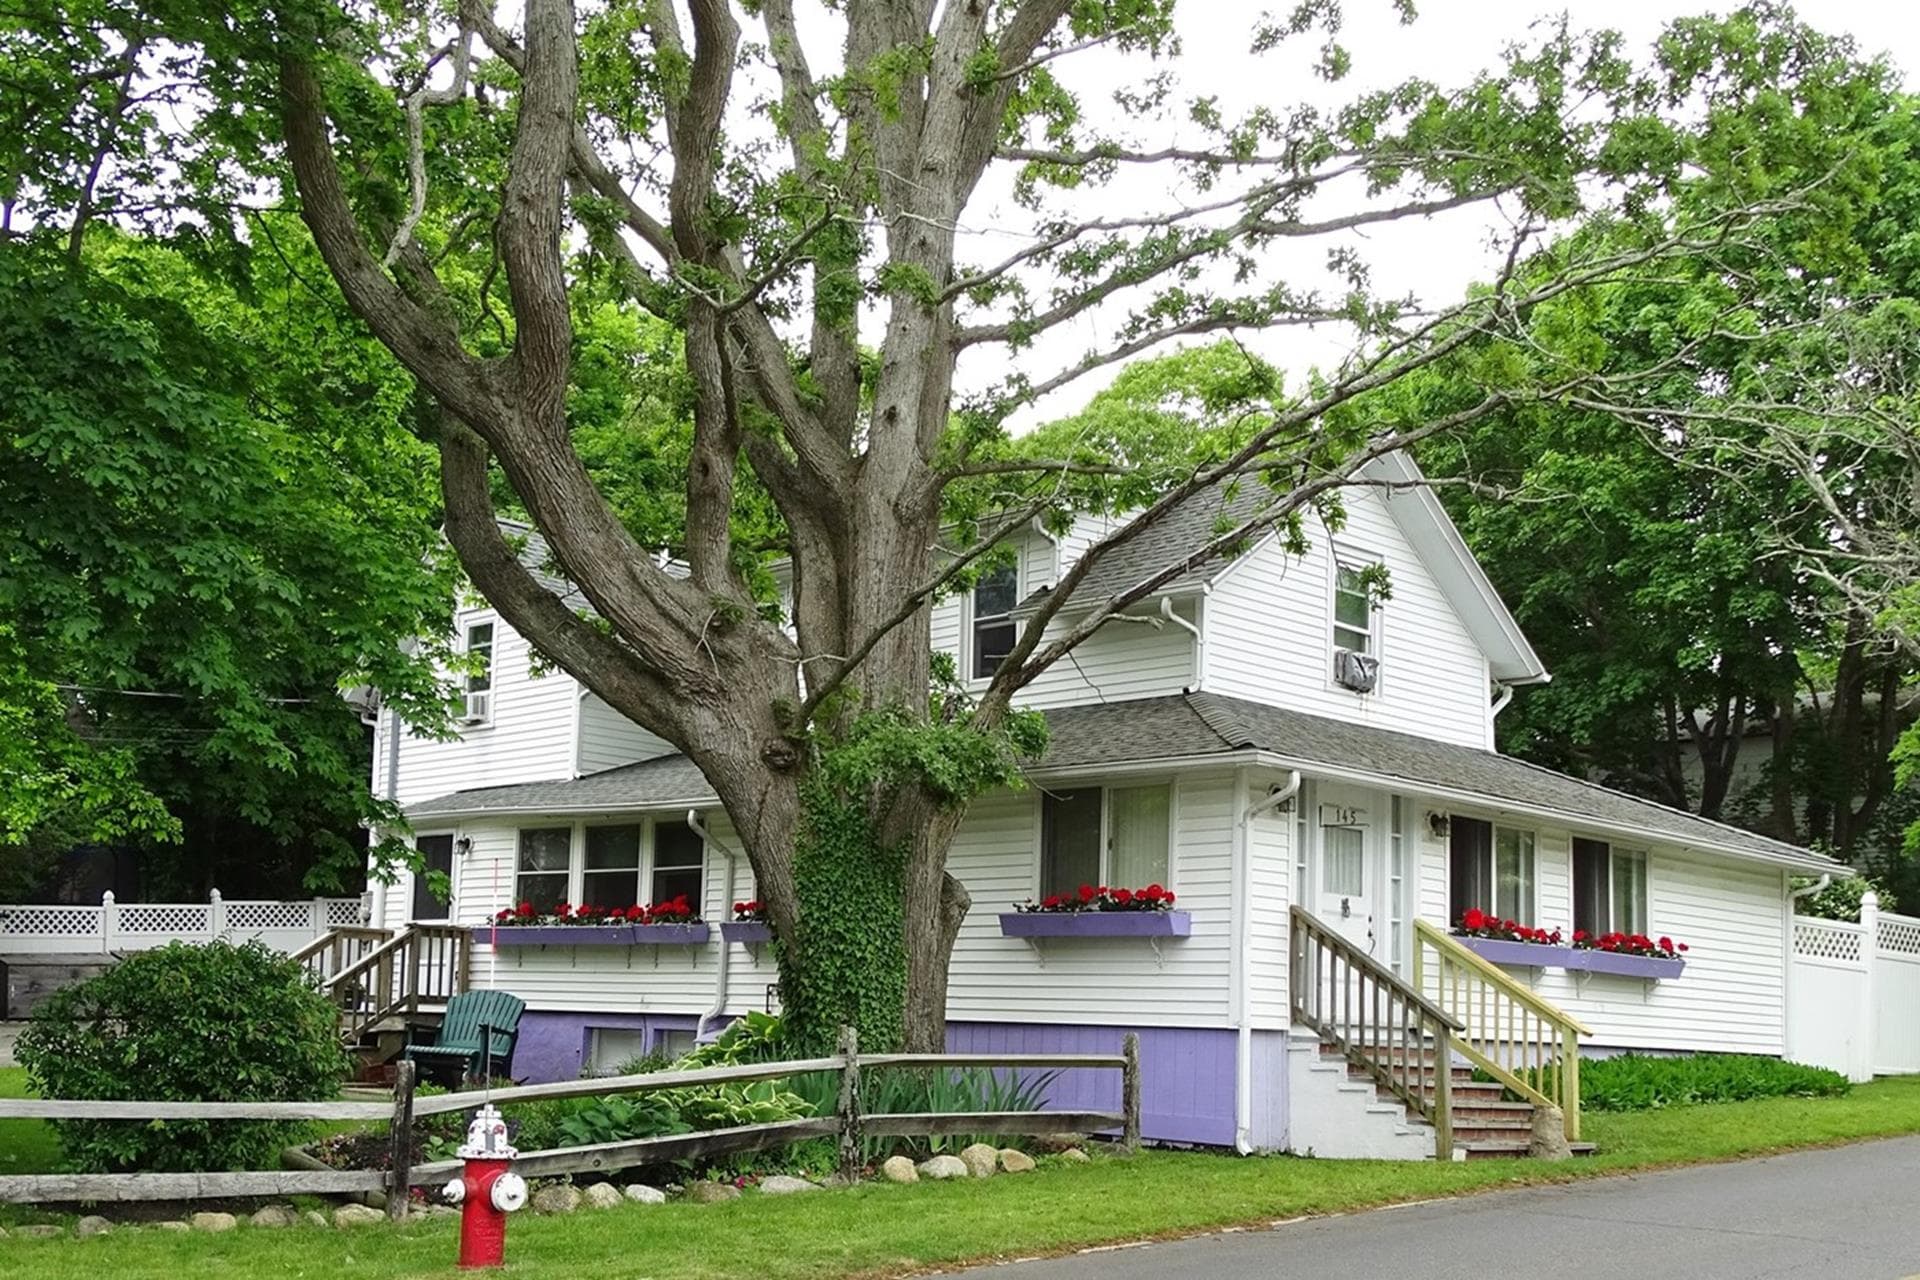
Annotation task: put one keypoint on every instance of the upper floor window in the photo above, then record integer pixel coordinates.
(1119, 836)
(1353, 611)
(477, 701)
(993, 627)
(1492, 868)
(1609, 888)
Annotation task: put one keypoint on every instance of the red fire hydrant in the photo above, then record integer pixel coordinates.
(487, 1191)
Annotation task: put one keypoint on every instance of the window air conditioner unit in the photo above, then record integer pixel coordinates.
(1356, 671)
(479, 706)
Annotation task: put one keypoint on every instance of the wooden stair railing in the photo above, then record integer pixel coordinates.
(327, 955)
(1525, 1042)
(1376, 1021)
(423, 964)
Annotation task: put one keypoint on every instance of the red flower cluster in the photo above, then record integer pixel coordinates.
(675, 911)
(1476, 923)
(754, 912)
(1101, 898)
(1629, 944)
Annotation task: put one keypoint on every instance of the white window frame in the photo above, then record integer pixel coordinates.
(577, 856)
(1532, 913)
(1615, 854)
(1357, 560)
(969, 620)
(1106, 831)
(484, 682)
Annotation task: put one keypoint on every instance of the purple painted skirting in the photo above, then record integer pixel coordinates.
(1186, 1074)
(1543, 955)
(553, 1046)
(1095, 924)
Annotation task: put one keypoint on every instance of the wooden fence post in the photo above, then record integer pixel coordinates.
(1130, 1090)
(400, 1140)
(848, 1109)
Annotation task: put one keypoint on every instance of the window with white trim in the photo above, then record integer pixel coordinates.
(1353, 610)
(611, 877)
(994, 629)
(477, 698)
(1491, 868)
(679, 859)
(544, 867)
(1119, 836)
(1609, 888)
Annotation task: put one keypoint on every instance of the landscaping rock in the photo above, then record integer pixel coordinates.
(275, 1215)
(836, 1182)
(3, 1233)
(1055, 1143)
(711, 1192)
(1012, 1161)
(899, 1169)
(556, 1198)
(44, 1231)
(358, 1215)
(92, 1225)
(312, 1217)
(982, 1161)
(175, 1226)
(1075, 1154)
(601, 1195)
(641, 1193)
(374, 1199)
(940, 1168)
(781, 1185)
(1549, 1138)
(213, 1222)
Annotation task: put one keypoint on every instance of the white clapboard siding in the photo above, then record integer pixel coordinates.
(1110, 980)
(1269, 637)
(529, 737)
(1270, 875)
(609, 739)
(1122, 661)
(1732, 996)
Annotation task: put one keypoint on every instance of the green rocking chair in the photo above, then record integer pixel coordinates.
(458, 1051)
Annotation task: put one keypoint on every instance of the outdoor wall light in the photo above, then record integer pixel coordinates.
(1438, 824)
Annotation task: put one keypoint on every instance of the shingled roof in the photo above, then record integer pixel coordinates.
(1189, 729)
(1190, 526)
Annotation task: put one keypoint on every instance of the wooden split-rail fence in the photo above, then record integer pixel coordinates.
(850, 1125)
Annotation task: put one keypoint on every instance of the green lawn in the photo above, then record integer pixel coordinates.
(879, 1229)
(26, 1146)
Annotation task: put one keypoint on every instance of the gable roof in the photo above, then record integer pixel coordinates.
(1409, 500)
(1198, 728)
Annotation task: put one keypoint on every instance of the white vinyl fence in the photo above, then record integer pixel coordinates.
(1853, 993)
(138, 926)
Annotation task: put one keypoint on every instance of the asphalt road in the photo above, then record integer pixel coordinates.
(1852, 1213)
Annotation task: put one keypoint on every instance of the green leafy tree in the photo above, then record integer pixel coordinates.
(789, 203)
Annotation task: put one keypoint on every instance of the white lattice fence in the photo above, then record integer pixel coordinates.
(138, 926)
(1853, 993)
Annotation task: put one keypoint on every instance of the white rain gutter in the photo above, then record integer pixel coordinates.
(726, 948)
(1199, 638)
(1242, 994)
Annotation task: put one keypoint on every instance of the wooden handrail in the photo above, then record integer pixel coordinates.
(1524, 1041)
(424, 962)
(1376, 1020)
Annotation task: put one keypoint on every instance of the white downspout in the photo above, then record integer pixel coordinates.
(1826, 878)
(726, 948)
(1243, 998)
(1500, 702)
(1199, 640)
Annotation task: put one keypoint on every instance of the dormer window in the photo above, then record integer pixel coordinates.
(993, 627)
(477, 701)
(1353, 612)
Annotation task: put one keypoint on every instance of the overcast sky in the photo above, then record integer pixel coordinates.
(1449, 42)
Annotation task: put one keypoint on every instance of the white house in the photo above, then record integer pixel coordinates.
(1267, 740)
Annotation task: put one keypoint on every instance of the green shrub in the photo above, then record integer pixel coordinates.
(215, 1023)
(1634, 1082)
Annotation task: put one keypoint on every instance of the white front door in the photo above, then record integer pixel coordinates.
(1346, 882)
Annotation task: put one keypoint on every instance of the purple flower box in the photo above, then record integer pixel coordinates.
(670, 935)
(1095, 924)
(746, 931)
(1542, 955)
(557, 935)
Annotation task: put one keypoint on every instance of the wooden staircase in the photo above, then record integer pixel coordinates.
(1488, 1122)
(385, 983)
